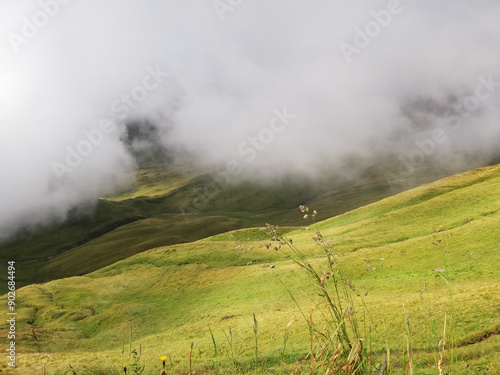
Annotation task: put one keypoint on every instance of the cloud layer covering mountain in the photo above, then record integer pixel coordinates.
(246, 86)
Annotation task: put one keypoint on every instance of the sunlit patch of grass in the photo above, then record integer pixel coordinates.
(157, 181)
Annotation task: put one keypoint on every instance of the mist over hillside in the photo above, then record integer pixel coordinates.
(90, 90)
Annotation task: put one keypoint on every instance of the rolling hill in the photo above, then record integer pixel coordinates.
(171, 205)
(431, 252)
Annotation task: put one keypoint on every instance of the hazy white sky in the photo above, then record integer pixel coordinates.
(346, 77)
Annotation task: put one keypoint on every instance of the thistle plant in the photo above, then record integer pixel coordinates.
(136, 366)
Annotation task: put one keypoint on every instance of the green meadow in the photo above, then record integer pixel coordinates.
(420, 267)
(170, 205)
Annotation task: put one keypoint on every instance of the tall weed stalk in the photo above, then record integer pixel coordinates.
(336, 343)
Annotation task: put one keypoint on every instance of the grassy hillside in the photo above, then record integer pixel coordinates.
(402, 250)
(171, 205)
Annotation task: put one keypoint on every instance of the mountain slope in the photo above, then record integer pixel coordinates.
(171, 205)
(394, 252)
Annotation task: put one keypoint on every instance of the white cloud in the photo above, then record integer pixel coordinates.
(226, 79)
